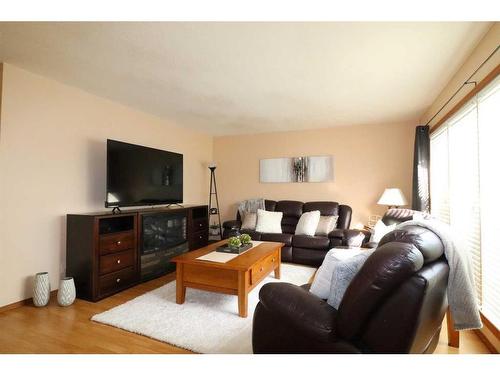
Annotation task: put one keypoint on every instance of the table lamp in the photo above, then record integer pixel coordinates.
(392, 197)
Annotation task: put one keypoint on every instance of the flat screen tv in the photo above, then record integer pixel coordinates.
(142, 176)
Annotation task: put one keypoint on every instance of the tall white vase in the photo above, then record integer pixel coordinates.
(41, 289)
(66, 294)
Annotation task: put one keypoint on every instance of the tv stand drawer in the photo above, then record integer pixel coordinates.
(116, 281)
(200, 225)
(113, 243)
(116, 261)
(198, 239)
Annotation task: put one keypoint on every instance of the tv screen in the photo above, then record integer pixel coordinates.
(142, 176)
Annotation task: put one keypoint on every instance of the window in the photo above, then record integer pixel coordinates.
(464, 188)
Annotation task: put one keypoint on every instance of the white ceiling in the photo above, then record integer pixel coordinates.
(233, 78)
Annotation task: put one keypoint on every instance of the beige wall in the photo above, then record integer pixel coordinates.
(487, 45)
(52, 162)
(367, 160)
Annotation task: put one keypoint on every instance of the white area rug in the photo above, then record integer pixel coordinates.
(206, 322)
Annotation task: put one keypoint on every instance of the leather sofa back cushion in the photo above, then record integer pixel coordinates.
(325, 208)
(389, 266)
(290, 208)
(344, 220)
(423, 239)
(399, 215)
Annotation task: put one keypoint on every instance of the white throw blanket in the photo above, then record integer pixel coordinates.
(251, 205)
(461, 291)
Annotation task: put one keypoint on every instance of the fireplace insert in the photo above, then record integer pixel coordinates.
(164, 236)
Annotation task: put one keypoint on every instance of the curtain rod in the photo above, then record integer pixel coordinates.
(467, 82)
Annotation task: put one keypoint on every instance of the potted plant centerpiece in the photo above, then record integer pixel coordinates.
(236, 244)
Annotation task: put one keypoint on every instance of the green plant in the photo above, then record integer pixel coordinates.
(245, 239)
(234, 242)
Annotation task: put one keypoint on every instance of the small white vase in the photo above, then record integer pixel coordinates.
(41, 289)
(67, 293)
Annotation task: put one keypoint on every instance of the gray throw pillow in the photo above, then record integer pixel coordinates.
(343, 273)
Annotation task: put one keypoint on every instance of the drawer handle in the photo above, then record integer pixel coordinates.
(273, 260)
(261, 269)
(201, 225)
(118, 242)
(118, 280)
(201, 237)
(118, 261)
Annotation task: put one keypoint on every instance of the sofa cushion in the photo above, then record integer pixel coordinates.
(345, 213)
(270, 205)
(288, 224)
(423, 239)
(399, 215)
(311, 242)
(325, 208)
(286, 238)
(308, 256)
(290, 208)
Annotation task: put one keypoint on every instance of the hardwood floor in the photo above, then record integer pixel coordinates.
(55, 329)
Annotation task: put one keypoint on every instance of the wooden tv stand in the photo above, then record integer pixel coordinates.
(103, 250)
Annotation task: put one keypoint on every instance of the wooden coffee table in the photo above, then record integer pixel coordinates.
(238, 276)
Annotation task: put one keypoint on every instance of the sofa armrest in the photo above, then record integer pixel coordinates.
(351, 233)
(344, 235)
(337, 233)
(232, 224)
(306, 312)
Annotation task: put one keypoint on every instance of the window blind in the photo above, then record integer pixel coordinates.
(489, 157)
(464, 189)
(440, 205)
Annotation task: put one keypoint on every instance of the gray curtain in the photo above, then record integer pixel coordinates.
(421, 200)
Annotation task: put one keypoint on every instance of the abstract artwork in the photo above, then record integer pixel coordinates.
(297, 169)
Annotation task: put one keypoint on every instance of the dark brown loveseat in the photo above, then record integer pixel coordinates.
(310, 250)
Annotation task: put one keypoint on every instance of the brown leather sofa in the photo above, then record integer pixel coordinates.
(310, 250)
(395, 304)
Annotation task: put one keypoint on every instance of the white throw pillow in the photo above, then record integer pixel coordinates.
(268, 221)
(249, 221)
(326, 225)
(321, 284)
(308, 223)
(343, 273)
(380, 230)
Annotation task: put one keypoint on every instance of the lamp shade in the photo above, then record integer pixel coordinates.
(392, 197)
